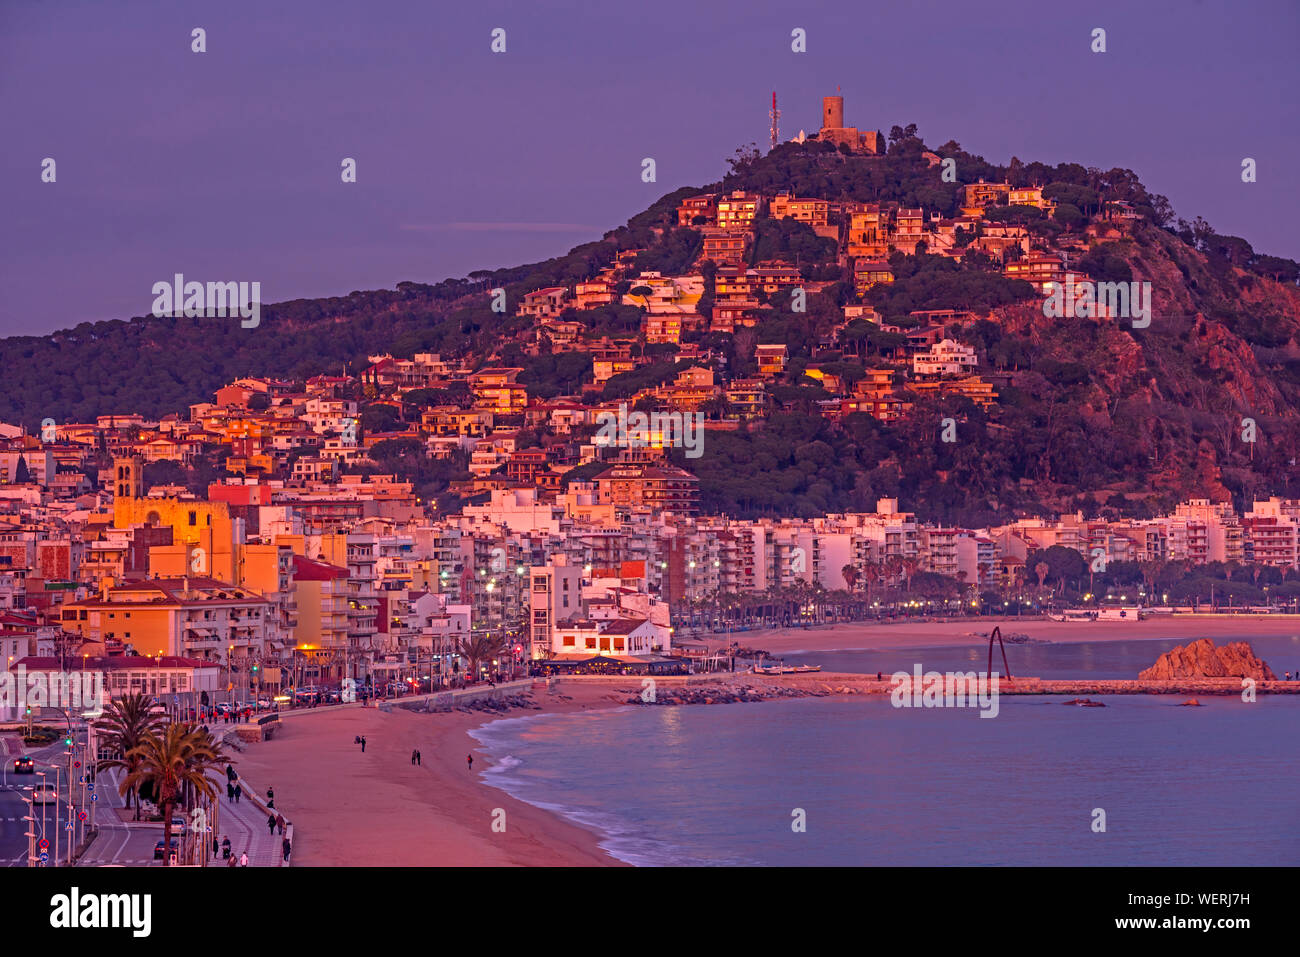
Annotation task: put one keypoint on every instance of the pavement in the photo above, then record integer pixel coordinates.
(131, 843)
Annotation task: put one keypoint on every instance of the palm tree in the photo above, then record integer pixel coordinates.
(175, 763)
(477, 649)
(851, 576)
(123, 726)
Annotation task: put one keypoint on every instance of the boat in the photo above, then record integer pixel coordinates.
(807, 669)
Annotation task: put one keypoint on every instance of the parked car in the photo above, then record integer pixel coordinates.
(24, 766)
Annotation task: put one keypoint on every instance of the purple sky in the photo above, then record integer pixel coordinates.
(225, 165)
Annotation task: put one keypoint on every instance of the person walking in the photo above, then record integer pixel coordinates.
(243, 859)
(270, 824)
(419, 759)
(239, 792)
(270, 797)
(363, 744)
(413, 753)
(286, 847)
(469, 761)
(279, 823)
(230, 791)
(231, 861)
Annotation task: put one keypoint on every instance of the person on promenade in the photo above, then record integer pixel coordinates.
(215, 848)
(243, 859)
(270, 824)
(279, 822)
(225, 847)
(231, 861)
(469, 761)
(230, 772)
(285, 847)
(239, 792)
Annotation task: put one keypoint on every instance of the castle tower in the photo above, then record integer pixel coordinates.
(832, 112)
(128, 478)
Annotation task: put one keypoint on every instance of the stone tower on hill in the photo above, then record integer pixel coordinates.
(834, 131)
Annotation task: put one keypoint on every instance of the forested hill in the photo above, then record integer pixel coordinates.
(1088, 412)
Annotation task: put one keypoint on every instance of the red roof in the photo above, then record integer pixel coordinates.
(305, 569)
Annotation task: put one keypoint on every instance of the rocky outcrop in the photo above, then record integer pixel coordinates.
(1201, 659)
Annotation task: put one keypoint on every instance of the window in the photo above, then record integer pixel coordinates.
(194, 518)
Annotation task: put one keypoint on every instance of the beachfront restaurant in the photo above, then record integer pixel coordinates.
(607, 665)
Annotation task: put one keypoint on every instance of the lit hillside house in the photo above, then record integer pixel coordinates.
(495, 390)
(1041, 269)
(1029, 196)
(813, 212)
(593, 293)
(738, 209)
(662, 487)
(723, 245)
(544, 303)
(699, 210)
(870, 273)
(981, 194)
(975, 388)
(868, 232)
(771, 360)
(746, 399)
(946, 357)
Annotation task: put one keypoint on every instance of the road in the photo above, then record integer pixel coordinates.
(13, 829)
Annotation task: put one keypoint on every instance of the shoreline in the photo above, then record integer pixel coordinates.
(901, 636)
(377, 809)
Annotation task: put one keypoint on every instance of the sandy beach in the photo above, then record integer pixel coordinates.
(958, 632)
(377, 809)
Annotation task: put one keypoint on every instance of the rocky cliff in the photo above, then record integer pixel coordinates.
(1201, 659)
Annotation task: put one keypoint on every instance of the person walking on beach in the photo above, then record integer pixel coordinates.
(413, 753)
(363, 744)
(419, 759)
(469, 761)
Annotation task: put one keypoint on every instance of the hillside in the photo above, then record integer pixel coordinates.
(1091, 414)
